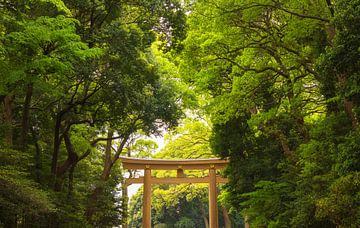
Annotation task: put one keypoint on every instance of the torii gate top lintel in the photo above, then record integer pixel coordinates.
(162, 164)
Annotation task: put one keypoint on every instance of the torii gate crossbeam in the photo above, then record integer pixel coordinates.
(212, 164)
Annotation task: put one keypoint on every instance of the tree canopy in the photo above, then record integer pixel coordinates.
(272, 85)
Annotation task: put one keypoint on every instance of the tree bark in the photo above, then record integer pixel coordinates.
(91, 208)
(107, 159)
(108, 164)
(348, 107)
(57, 142)
(246, 221)
(8, 119)
(284, 144)
(26, 117)
(71, 181)
(227, 220)
(71, 161)
(330, 5)
(204, 217)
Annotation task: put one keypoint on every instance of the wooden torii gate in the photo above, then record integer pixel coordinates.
(211, 164)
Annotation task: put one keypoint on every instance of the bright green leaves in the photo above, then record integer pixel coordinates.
(70, 72)
(268, 199)
(45, 48)
(268, 95)
(190, 141)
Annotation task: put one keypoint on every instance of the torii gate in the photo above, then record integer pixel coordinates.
(212, 164)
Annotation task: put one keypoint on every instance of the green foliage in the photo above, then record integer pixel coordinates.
(71, 71)
(19, 194)
(184, 222)
(339, 65)
(268, 199)
(344, 193)
(280, 81)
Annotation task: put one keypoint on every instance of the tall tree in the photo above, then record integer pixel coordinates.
(270, 73)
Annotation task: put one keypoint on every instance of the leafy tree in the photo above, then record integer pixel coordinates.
(280, 83)
(75, 74)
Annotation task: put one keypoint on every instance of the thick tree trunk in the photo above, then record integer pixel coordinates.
(26, 116)
(108, 164)
(107, 161)
(57, 142)
(70, 162)
(91, 208)
(8, 119)
(227, 220)
(71, 182)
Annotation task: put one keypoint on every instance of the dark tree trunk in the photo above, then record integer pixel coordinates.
(38, 163)
(26, 117)
(71, 182)
(330, 5)
(8, 119)
(71, 161)
(57, 142)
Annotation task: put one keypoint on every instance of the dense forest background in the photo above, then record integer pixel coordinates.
(273, 85)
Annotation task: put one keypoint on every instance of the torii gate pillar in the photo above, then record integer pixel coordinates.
(213, 212)
(147, 199)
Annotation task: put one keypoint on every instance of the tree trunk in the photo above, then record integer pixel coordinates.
(91, 208)
(125, 201)
(57, 142)
(107, 160)
(331, 8)
(284, 144)
(227, 220)
(203, 215)
(71, 181)
(348, 107)
(246, 221)
(26, 117)
(8, 119)
(37, 156)
(71, 161)
(108, 164)
(38, 163)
